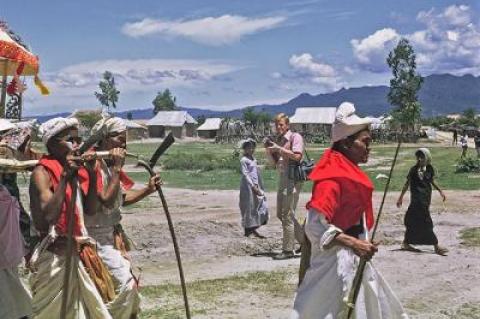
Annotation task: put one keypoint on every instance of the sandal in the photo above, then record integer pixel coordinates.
(256, 234)
(408, 247)
(442, 251)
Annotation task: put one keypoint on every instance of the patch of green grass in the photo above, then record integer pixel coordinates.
(169, 312)
(206, 295)
(470, 236)
(464, 311)
(217, 179)
(415, 306)
(208, 171)
(444, 161)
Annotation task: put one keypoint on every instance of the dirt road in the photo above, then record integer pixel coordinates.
(213, 246)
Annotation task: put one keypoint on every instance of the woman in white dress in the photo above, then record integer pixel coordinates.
(253, 203)
(339, 217)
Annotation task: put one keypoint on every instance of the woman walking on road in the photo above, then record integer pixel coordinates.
(417, 220)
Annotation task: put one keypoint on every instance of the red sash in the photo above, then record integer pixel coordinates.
(55, 169)
(125, 181)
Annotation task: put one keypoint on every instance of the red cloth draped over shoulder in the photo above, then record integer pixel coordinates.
(341, 191)
(125, 181)
(55, 169)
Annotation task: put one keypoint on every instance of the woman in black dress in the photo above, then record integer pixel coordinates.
(418, 221)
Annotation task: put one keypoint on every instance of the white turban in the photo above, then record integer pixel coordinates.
(6, 125)
(54, 126)
(241, 144)
(347, 123)
(109, 125)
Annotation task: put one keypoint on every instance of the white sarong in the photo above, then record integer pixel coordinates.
(327, 282)
(84, 301)
(15, 300)
(127, 298)
(100, 227)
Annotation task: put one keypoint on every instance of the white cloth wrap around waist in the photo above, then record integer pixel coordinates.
(324, 290)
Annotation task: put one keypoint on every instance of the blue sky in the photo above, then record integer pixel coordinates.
(227, 54)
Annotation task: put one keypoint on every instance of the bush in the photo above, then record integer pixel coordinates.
(468, 164)
(201, 162)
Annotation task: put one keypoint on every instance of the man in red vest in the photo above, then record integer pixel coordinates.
(115, 189)
(51, 196)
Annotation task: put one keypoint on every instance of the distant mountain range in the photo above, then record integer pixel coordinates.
(440, 94)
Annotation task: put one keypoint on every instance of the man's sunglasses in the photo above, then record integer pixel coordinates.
(69, 138)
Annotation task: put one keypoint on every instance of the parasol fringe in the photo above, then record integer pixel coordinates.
(41, 87)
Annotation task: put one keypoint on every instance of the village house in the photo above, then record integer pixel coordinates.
(210, 128)
(180, 123)
(313, 120)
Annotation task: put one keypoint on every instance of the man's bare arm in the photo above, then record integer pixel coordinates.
(134, 195)
(45, 204)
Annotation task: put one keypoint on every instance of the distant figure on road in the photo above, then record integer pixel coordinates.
(417, 220)
(464, 144)
(455, 136)
(476, 139)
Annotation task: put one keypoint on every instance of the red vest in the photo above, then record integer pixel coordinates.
(55, 169)
(341, 191)
(126, 182)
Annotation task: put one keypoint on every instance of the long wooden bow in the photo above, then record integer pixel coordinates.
(357, 280)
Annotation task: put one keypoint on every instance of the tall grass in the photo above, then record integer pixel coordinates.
(202, 162)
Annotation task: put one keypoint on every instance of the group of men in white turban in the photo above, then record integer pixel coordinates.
(101, 282)
(91, 191)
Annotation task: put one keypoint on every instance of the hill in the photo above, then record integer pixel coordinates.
(440, 94)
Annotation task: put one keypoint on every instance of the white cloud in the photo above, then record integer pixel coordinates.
(371, 52)
(449, 43)
(73, 86)
(138, 74)
(214, 31)
(306, 67)
(304, 63)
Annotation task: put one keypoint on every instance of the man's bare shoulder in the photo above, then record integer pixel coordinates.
(40, 177)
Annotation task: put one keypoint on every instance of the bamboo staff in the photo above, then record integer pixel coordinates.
(3, 97)
(357, 280)
(69, 253)
(174, 238)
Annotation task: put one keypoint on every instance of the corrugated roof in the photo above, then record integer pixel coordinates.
(212, 123)
(132, 124)
(314, 115)
(171, 118)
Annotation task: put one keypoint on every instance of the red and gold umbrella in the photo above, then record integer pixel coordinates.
(16, 60)
(13, 55)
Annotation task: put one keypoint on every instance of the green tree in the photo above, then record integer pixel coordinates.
(404, 85)
(256, 118)
(250, 116)
(88, 118)
(201, 119)
(129, 116)
(469, 117)
(264, 117)
(164, 101)
(109, 93)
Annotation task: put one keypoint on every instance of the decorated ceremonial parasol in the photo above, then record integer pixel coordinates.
(16, 60)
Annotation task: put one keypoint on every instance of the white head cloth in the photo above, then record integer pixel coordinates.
(54, 126)
(242, 143)
(109, 125)
(347, 122)
(6, 125)
(426, 152)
